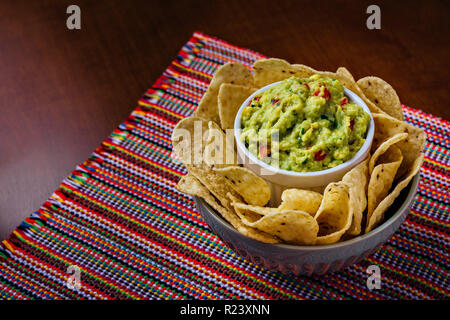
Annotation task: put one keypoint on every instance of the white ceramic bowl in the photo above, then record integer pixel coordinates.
(280, 179)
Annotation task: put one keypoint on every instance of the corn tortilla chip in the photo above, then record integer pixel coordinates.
(292, 199)
(346, 78)
(382, 178)
(335, 213)
(215, 183)
(411, 147)
(383, 147)
(378, 214)
(219, 149)
(357, 178)
(271, 70)
(382, 94)
(189, 184)
(253, 189)
(189, 139)
(246, 215)
(231, 72)
(292, 226)
(255, 210)
(302, 200)
(230, 98)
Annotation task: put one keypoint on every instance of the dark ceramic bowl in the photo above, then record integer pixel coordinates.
(299, 260)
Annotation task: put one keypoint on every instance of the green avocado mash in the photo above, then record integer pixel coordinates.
(304, 125)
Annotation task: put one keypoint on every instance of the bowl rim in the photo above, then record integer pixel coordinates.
(353, 97)
(413, 185)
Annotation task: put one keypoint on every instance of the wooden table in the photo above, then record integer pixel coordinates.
(62, 92)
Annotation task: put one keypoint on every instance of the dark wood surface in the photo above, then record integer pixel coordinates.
(62, 92)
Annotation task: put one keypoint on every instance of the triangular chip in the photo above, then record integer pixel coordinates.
(267, 71)
(214, 182)
(302, 200)
(296, 227)
(231, 72)
(189, 184)
(411, 147)
(383, 95)
(189, 139)
(335, 213)
(219, 150)
(384, 146)
(357, 179)
(346, 78)
(253, 189)
(230, 98)
(257, 211)
(378, 214)
(292, 199)
(382, 178)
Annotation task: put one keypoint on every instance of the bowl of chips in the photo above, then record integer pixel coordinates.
(308, 260)
(310, 231)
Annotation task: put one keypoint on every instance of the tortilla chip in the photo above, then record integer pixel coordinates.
(189, 138)
(382, 94)
(215, 183)
(246, 212)
(382, 178)
(384, 146)
(292, 199)
(271, 70)
(189, 184)
(231, 72)
(357, 179)
(378, 214)
(255, 211)
(253, 189)
(335, 213)
(267, 71)
(230, 99)
(219, 149)
(411, 147)
(292, 226)
(302, 200)
(346, 78)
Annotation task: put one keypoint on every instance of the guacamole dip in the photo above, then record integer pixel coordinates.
(304, 125)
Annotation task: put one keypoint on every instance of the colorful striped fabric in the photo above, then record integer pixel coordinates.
(119, 219)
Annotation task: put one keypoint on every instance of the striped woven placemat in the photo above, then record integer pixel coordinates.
(120, 222)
